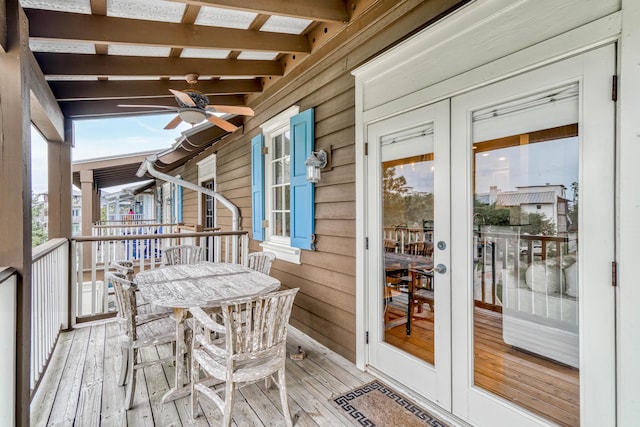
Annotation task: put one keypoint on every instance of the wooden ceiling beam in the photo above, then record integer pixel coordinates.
(325, 11)
(117, 89)
(109, 107)
(45, 111)
(111, 65)
(76, 27)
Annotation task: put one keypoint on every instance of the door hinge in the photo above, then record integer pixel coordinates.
(366, 337)
(366, 243)
(614, 88)
(614, 274)
(265, 150)
(366, 148)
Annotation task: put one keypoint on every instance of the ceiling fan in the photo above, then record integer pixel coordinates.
(193, 108)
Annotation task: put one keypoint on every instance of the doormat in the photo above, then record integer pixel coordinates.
(376, 404)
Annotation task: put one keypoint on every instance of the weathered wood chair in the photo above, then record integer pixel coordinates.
(252, 346)
(261, 261)
(153, 329)
(183, 254)
(144, 309)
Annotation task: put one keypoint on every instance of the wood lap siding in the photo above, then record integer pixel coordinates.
(325, 305)
(190, 198)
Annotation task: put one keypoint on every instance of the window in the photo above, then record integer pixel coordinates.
(282, 199)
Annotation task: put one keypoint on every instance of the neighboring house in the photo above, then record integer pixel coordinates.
(547, 200)
(76, 212)
(139, 199)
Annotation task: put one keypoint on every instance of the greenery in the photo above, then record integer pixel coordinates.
(532, 223)
(38, 233)
(402, 207)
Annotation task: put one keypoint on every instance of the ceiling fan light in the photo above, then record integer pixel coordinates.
(192, 116)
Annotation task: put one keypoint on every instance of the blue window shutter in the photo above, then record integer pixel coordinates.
(179, 203)
(302, 192)
(257, 187)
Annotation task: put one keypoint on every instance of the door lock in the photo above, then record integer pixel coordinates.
(440, 268)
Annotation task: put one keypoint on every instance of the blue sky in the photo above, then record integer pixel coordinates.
(106, 137)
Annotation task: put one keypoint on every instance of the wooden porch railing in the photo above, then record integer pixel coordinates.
(502, 250)
(49, 302)
(92, 255)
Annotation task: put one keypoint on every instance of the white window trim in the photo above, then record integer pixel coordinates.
(279, 246)
(206, 172)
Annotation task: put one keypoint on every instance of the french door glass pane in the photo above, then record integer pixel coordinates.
(525, 254)
(408, 288)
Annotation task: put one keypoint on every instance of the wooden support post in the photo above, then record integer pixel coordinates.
(59, 161)
(15, 188)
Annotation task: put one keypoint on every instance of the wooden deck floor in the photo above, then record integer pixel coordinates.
(80, 387)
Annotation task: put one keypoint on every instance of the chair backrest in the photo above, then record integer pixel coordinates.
(261, 261)
(126, 294)
(256, 327)
(125, 267)
(183, 254)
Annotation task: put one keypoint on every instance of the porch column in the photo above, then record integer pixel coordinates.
(15, 187)
(59, 161)
(88, 212)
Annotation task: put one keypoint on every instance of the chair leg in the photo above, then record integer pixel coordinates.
(282, 383)
(195, 377)
(131, 379)
(123, 365)
(229, 398)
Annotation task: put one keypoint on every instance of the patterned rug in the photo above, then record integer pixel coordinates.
(376, 404)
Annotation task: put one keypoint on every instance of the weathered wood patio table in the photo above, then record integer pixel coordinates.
(204, 285)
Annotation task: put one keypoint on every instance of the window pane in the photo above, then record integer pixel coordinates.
(278, 198)
(286, 224)
(277, 146)
(277, 172)
(286, 192)
(286, 143)
(278, 223)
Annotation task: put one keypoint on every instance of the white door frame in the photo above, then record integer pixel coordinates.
(430, 381)
(417, 53)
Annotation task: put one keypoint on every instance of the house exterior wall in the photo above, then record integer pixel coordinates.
(325, 306)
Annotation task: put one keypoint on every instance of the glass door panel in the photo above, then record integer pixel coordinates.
(408, 288)
(532, 303)
(407, 216)
(526, 331)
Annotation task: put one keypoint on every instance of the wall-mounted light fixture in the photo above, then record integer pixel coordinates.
(316, 161)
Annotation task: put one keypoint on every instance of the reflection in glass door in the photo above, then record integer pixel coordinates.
(525, 277)
(408, 289)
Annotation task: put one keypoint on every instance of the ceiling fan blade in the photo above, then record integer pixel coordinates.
(164, 107)
(173, 123)
(222, 123)
(231, 109)
(186, 99)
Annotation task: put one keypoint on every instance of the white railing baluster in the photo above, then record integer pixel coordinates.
(49, 293)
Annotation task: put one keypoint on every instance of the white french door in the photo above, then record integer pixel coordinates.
(508, 317)
(409, 301)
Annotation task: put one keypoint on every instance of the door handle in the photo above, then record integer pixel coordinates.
(440, 268)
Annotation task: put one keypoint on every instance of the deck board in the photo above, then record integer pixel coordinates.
(80, 387)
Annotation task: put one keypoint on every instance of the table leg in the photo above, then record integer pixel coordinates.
(178, 390)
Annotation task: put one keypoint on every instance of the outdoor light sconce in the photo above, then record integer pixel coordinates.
(314, 163)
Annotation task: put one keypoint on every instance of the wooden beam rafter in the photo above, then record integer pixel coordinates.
(119, 89)
(75, 27)
(109, 107)
(71, 64)
(325, 11)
